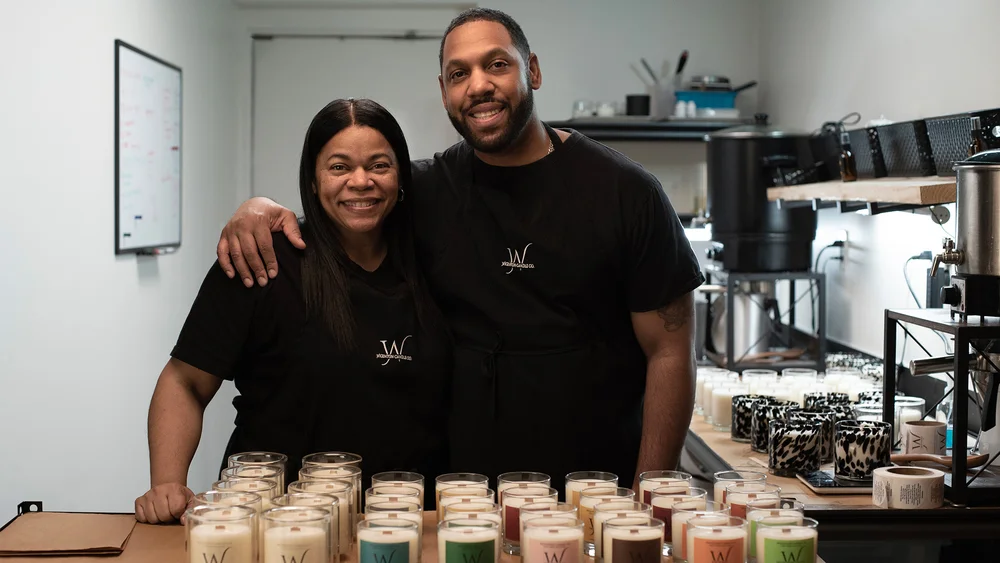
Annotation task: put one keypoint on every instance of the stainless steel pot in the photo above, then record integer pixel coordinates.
(752, 317)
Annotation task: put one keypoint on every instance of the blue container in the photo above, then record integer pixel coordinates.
(721, 99)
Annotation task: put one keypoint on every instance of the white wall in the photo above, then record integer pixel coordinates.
(905, 59)
(83, 334)
(584, 48)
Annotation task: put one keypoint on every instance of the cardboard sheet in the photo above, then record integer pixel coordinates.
(58, 533)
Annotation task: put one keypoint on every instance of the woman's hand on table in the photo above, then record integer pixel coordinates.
(163, 504)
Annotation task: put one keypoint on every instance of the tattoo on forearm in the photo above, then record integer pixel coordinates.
(675, 315)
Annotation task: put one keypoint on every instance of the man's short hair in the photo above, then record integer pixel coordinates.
(486, 14)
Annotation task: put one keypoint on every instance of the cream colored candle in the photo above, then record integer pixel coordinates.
(663, 507)
(473, 508)
(706, 398)
(515, 498)
(589, 499)
(453, 495)
(270, 472)
(632, 544)
(282, 544)
(787, 543)
(484, 516)
(558, 510)
(725, 478)
(351, 473)
(399, 479)
(737, 499)
(379, 541)
(543, 542)
(520, 479)
(265, 488)
(329, 503)
(343, 493)
(458, 480)
(650, 480)
(679, 520)
(231, 543)
(415, 517)
(712, 545)
(722, 407)
(580, 480)
(609, 510)
(468, 541)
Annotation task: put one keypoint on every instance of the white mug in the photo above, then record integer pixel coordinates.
(924, 437)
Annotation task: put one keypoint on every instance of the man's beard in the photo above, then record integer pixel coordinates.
(519, 116)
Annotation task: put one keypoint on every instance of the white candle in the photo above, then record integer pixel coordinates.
(326, 502)
(633, 545)
(471, 507)
(711, 545)
(663, 508)
(737, 502)
(439, 485)
(781, 543)
(342, 472)
(494, 517)
(265, 489)
(263, 472)
(468, 545)
(511, 513)
(462, 486)
(706, 399)
(282, 544)
(722, 407)
(587, 505)
(574, 488)
(719, 489)
(602, 516)
(678, 523)
(415, 517)
(232, 543)
(647, 485)
(344, 508)
(381, 544)
(391, 484)
(552, 545)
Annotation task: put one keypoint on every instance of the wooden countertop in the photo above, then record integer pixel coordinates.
(740, 456)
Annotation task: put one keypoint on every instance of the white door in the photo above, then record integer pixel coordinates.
(295, 77)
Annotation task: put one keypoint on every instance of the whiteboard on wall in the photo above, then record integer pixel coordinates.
(147, 152)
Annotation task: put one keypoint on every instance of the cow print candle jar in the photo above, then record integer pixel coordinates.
(793, 447)
(860, 447)
(740, 430)
(823, 399)
(762, 414)
(826, 419)
(870, 397)
(841, 412)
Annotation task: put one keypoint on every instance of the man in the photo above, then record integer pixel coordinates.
(562, 270)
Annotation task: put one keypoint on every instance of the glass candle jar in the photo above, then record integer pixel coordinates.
(589, 499)
(826, 419)
(683, 512)
(327, 502)
(458, 494)
(516, 497)
(663, 501)
(474, 509)
(518, 478)
(399, 479)
(343, 491)
(793, 447)
(263, 459)
(628, 540)
(349, 463)
(265, 488)
(269, 472)
(394, 539)
(465, 541)
(550, 538)
(739, 494)
(404, 509)
(296, 532)
(580, 480)
(740, 429)
(860, 448)
(614, 509)
(756, 379)
(762, 415)
(711, 539)
(780, 539)
(395, 492)
(791, 510)
(216, 532)
(476, 480)
(725, 478)
(649, 480)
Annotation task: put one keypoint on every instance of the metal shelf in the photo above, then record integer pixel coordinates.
(644, 129)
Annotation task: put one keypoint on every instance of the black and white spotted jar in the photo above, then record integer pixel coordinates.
(762, 414)
(870, 397)
(793, 447)
(823, 399)
(860, 447)
(742, 425)
(826, 419)
(841, 412)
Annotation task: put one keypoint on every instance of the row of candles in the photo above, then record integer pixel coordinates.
(245, 518)
(802, 419)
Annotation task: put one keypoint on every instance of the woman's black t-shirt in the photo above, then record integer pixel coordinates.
(386, 400)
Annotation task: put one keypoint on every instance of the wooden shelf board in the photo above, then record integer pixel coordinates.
(928, 190)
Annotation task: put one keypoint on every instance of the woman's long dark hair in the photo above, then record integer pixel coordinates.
(324, 278)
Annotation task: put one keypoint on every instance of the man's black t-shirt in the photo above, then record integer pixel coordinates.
(386, 401)
(537, 269)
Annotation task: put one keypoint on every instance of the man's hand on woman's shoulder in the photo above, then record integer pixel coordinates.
(245, 246)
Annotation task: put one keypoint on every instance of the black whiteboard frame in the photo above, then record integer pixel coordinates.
(169, 247)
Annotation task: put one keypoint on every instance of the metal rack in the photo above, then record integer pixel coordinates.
(983, 487)
(782, 329)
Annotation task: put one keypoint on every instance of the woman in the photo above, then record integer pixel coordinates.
(345, 352)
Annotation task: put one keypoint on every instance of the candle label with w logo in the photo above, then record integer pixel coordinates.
(636, 551)
(718, 550)
(555, 552)
(372, 552)
(789, 551)
(469, 552)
